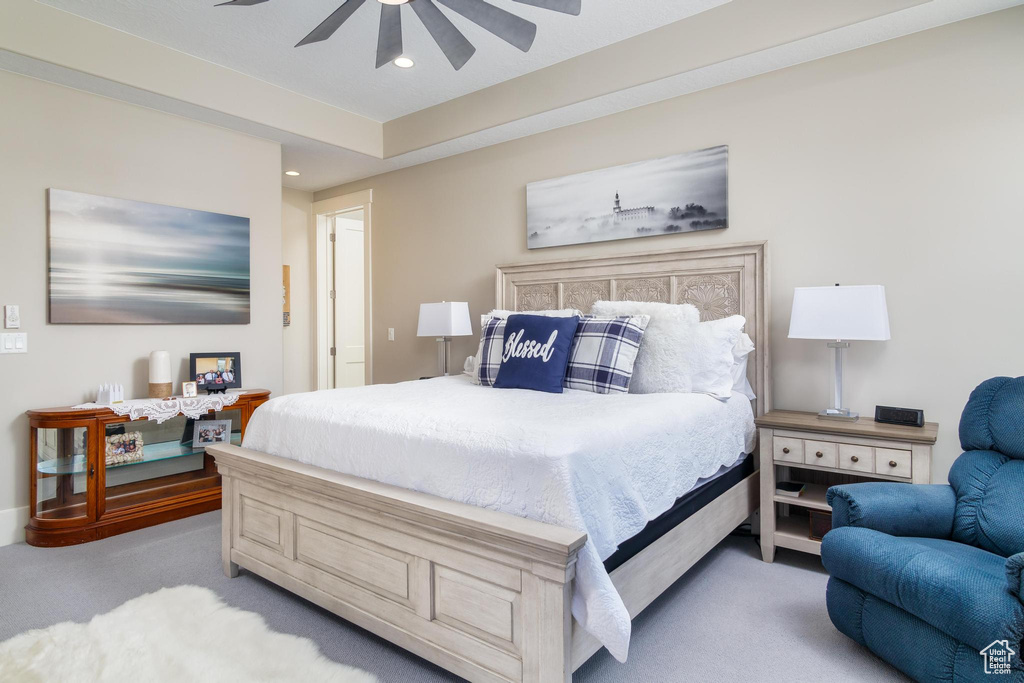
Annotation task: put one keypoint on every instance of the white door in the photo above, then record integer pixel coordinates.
(348, 362)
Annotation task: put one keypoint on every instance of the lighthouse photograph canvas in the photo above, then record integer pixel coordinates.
(677, 194)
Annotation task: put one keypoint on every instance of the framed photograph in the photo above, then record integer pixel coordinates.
(678, 194)
(189, 390)
(216, 372)
(209, 432)
(118, 261)
(121, 449)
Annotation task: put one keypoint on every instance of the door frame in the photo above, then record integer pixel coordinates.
(323, 211)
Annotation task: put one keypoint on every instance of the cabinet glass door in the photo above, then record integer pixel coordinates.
(61, 472)
(144, 461)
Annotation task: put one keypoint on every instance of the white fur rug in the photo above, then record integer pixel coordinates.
(176, 634)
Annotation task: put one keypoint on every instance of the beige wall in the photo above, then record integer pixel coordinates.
(299, 252)
(52, 136)
(898, 164)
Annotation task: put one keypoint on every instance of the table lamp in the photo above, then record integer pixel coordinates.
(444, 320)
(840, 315)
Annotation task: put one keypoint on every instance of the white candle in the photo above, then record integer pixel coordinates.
(159, 367)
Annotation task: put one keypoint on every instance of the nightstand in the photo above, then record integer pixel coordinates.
(802, 447)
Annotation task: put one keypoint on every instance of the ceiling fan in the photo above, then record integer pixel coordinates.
(507, 26)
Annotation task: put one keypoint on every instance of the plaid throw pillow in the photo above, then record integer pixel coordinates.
(603, 352)
(492, 339)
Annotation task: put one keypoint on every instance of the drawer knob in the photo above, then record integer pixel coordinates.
(819, 454)
(892, 463)
(785, 450)
(854, 458)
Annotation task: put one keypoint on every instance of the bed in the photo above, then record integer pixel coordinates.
(488, 587)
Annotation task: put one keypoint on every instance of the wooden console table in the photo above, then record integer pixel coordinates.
(77, 497)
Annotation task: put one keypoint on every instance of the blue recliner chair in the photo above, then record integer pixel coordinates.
(931, 578)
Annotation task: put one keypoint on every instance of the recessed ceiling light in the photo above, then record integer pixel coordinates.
(292, 173)
(393, 2)
(404, 63)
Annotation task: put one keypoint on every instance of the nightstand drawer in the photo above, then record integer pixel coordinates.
(856, 458)
(786, 449)
(821, 453)
(893, 462)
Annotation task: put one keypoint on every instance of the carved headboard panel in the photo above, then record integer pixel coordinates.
(720, 281)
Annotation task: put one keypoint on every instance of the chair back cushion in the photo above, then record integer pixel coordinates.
(989, 477)
(993, 419)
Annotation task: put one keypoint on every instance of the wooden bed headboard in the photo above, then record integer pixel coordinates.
(719, 280)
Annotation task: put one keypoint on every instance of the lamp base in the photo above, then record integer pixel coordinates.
(839, 414)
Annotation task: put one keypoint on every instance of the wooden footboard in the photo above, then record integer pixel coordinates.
(481, 593)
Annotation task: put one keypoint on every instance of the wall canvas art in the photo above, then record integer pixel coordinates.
(681, 193)
(121, 261)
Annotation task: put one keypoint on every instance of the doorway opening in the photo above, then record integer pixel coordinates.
(343, 291)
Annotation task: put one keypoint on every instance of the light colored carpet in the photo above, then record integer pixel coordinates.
(731, 617)
(175, 634)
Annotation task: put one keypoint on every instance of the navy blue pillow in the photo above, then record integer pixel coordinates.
(536, 352)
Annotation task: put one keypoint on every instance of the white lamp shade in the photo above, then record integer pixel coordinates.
(855, 312)
(445, 319)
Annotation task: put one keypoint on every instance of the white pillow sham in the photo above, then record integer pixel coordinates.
(502, 313)
(740, 354)
(664, 361)
(713, 358)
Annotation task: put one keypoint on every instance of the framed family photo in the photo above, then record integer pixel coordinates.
(210, 432)
(216, 372)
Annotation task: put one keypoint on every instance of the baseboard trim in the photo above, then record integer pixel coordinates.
(12, 525)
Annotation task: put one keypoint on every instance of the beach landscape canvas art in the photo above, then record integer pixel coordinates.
(676, 194)
(128, 262)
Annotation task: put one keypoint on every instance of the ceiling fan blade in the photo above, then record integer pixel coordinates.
(456, 48)
(565, 6)
(240, 3)
(331, 24)
(389, 37)
(505, 25)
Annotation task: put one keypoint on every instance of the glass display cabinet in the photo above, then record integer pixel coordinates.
(95, 473)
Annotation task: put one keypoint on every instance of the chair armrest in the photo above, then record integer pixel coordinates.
(896, 509)
(1015, 575)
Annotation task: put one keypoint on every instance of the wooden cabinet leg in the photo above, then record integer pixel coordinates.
(230, 569)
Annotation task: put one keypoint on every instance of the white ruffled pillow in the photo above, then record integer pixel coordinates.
(664, 361)
(502, 313)
(740, 354)
(714, 356)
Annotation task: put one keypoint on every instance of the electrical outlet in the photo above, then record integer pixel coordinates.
(14, 342)
(391, 334)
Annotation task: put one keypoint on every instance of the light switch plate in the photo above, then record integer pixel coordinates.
(391, 334)
(14, 342)
(12, 316)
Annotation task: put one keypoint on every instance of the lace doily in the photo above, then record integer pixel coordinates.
(161, 410)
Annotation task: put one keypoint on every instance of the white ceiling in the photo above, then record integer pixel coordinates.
(325, 165)
(258, 41)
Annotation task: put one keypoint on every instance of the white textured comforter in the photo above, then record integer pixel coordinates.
(602, 464)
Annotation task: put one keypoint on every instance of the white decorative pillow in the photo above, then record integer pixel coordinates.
(713, 358)
(740, 354)
(664, 361)
(503, 314)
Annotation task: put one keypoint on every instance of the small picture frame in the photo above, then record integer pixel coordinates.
(189, 389)
(210, 432)
(123, 448)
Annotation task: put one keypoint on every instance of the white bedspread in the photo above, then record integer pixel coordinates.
(602, 464)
